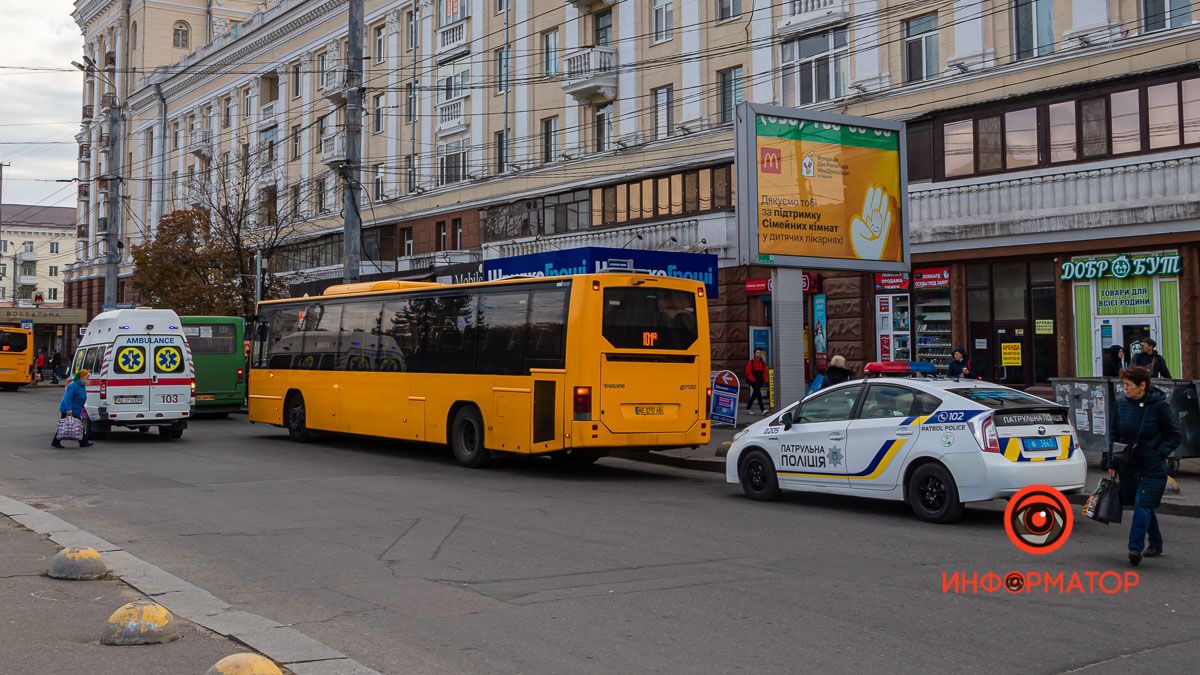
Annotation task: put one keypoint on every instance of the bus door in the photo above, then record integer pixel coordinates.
(650, 384)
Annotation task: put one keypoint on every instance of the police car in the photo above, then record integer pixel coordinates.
(906, 435)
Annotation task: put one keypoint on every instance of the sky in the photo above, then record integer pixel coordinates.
(39, 106)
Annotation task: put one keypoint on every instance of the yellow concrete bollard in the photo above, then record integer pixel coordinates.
(245, 664)
(77, 563)
(139, 623)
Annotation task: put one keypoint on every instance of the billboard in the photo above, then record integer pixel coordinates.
(700, 267)
(821, 190)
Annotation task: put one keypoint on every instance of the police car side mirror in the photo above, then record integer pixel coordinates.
(787, 421)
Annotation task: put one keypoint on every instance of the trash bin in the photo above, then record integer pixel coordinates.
(1090, 401)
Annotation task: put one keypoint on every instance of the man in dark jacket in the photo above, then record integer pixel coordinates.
(1151, 360)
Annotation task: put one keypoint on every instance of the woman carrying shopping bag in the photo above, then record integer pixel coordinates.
(73, 399)
(1143, 433)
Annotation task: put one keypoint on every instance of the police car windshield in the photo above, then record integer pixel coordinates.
(997, 398)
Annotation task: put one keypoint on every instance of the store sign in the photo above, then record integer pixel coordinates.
(26, 324)
(1121, 267)
(43, 314)
(760, 286)
(1010, 354)
(700, 267)
(931, 277)
(891, 281)
(1043, 326)
(812, 283)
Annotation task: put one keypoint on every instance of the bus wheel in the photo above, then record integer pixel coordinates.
(576, 457)
(296, 419)
(466, 438)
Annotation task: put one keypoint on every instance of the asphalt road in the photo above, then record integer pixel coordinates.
(407, 563)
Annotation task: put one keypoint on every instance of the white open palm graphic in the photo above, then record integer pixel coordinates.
(869, 231)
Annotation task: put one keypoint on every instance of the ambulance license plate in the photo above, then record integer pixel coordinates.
(205, 397)
(648, 410)
(128, 400)
(1040, 443)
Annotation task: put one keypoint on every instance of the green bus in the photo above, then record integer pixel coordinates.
(219, 355)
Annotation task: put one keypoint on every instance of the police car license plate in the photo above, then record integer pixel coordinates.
(126, 400)
(1040, 443)
(648, 410)
(205, 397)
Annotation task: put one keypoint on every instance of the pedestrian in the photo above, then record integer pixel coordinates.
(960, 367)
(56, 366)
(40, 364)
(73, 399)
(1151, 360)
(837, 372)
(1149, 428)
(756, 377)
(1114, 361)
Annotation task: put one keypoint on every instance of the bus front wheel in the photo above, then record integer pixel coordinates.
(295, 417)
(466, 438)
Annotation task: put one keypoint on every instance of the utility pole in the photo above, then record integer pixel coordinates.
(351, 172)
(112, 229)
(14, 269)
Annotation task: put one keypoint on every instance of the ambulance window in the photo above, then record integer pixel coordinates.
(885, 400)
(833, 406)
(77, 362)
(94, 360)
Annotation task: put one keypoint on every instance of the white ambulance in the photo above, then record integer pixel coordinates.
(142, 374)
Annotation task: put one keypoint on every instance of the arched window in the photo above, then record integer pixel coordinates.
(182, 35)
(133, 36)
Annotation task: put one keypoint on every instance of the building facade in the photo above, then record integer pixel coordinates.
(37, 243)
(1042, 133)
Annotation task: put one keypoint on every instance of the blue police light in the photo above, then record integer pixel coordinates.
(922, 368)
(124, 327)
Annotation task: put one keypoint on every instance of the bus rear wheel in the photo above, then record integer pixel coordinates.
(466, 438)
(296, 419)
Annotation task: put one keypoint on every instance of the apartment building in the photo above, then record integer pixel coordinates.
(1043, 135)
(37, 243)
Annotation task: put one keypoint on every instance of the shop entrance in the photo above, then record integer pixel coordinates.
(1013, 353)
(1127, 332)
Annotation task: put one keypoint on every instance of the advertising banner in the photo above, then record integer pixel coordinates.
(827, 191)
(723, 408)
(931, 277)
(588, 259)
(820, 327)
(891, 281)
(1010, 354)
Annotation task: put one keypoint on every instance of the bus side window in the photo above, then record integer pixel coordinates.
(547, 328)
(500, 333)
(449, 346)
(358, 341)
(399, 318)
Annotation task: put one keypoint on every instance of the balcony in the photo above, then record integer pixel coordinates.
(1071, 202)
(425, 261)
(708, 231)
(336, 82)
(452, 40)
(585, 6)
(27, 280)
(333, 148)
(452, 116)
(108, 101)
(27, 256)
(85, 191)
(806, 15)
(199, 192)
(85, 152)
(201, 143)
(89, 113)
(591, 71)
(268, 115)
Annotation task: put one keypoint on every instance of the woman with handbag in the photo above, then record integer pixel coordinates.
(73, 399)
(1143, 433)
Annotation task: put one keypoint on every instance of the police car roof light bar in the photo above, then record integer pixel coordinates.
(894, 368)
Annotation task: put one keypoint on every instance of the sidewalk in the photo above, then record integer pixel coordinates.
(54, 626)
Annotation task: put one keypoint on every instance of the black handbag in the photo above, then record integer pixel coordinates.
(1109, 510)
(1125, 454)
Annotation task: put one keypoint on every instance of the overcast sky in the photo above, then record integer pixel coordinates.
(39, 106)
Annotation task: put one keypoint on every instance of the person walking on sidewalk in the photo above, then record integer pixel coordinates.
(1151, 360)
(756, 377)
(1147, 425)
(837, 372)
(73, 399)
(56, 366)
(1114, 361)
(40, 364)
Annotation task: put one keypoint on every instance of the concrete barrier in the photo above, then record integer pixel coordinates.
(139, 623)
(245, 664)
(77, 563)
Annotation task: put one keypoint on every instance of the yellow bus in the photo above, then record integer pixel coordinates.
(16, 358)
(566, 366)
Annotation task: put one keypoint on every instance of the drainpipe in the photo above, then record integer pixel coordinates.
(160, 199)
(208, 22)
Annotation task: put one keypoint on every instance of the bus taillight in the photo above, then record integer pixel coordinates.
(241, 374)
(583, 403)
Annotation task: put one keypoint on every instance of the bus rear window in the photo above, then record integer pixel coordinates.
(997, 398)
(217, 338)
(13, 342)
(649, 318)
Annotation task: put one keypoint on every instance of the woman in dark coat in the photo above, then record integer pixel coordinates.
(1143, 417)
(1114, 361)
(960, 367)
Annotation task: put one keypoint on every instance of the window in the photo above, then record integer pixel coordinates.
(920, 48)
(501, 145)
(296, 200)
(452, 162)
(410, 102)
(175, 134)
(410, 173)
(502, 71)
(227, 111)
(296, 142)
(380, 43)
(990, 143)
(549, 139)
(730, 83)
(664, 111)
(1162, 110)
(377, 180)
(1093, 123)
(246, 103)
(816, 67)
(1021, 138)
(54, 247)
(319, 189)
(602, 28)
(54, 294)
(322, 127)
(3, 267)
(297, 75)
(501, 6)
(566, 212)
(649, 318)
(414, 32)
(834, 406)
(500, 332)
(454, 79)
(1125, 122)
(54, 270)
(602, 127)
(440, 236)
(958, 141)
(453, 11)
(1160, 14)
(728, 9)
(886, 400)
(133, 36)
(406, 241)
(456, 228)
(322, 66)
(377, 111)
(1062, 132)
(663, 12)
(1034, 27)
(686, 192)
(182, 35)
(550, 53)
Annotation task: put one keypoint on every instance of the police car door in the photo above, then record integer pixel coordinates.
(881, 435)
(812, 451)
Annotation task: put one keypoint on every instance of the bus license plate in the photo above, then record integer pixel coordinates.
(205, 397)
(128, 400)
(1040, 443)
(648, 410)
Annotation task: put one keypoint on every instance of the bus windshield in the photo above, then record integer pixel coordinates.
(13, 342)
(640, 317)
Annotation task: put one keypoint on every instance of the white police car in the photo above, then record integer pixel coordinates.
(936, 443)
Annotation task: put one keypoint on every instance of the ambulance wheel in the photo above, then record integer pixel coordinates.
(933, 495)
(170, 433)
(757, 474)
(143, 430)
(98, 430)
(296, 419)
(466, 438)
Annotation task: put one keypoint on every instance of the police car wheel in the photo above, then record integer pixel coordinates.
(466, 438)
(295, 418)
(933, 495)
(757, 474)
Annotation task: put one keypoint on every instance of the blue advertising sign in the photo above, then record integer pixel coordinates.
(700, 267)
(27, 324)
(723, 408)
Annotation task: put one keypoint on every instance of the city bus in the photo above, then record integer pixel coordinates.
(16, 358)
(569, 367)
(219, 355)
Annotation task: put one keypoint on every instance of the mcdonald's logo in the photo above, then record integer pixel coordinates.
(770, 160)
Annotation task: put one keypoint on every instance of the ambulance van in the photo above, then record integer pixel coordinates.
(142, 373)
